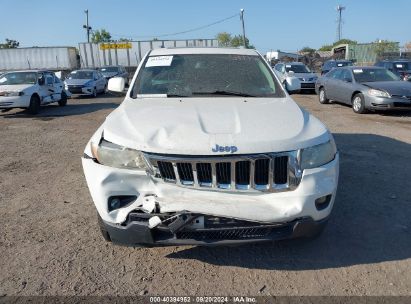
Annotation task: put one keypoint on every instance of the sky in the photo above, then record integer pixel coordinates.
(269, 24)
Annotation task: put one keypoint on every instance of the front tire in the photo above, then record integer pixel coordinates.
(34, 106)
(322, 96)
(63, 100)
(358, 104)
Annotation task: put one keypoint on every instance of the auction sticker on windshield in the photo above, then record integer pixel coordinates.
(357, 71)
(159, 61)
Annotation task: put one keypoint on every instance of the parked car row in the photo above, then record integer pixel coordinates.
(32, 89)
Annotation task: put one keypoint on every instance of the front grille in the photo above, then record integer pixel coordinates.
(307, 85)
(402, 104)
(261, 172)
(259, 232)
(166, 170)
(75, 89)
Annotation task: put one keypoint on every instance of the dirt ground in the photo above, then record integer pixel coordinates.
(50, 244)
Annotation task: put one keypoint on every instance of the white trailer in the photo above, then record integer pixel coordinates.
(277, 55)
(41, 58)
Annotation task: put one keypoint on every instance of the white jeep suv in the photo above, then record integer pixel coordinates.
(208, 148)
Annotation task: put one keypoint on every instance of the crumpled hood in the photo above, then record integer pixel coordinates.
(15, 87)
(401, 88)
(76, 81)
(194, 126)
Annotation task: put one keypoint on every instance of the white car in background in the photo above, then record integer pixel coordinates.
(208, 148)
(30, 90)
(291, 83)
(297, 70)
(86, 82)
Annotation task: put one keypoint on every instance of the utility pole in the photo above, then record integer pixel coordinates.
(242, 21)
(87, 27)
(340, 8)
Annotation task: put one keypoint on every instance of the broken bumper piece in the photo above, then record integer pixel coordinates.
(194, 229)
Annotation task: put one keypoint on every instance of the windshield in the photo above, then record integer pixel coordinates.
(81, 75)
(109, 70)
(297, 68)
(18, 78)
(206, 74)
(372, 75)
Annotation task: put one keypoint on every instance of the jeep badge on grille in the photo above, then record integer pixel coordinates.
(231, 149)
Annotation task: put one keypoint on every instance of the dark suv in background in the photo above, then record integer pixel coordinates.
(400, 67)
(330, 64)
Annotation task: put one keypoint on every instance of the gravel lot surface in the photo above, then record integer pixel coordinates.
(50, 244)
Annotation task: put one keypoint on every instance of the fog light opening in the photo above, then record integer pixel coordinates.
(116, 202)
(323, 202)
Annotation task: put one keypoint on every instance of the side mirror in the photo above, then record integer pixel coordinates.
(347, 79)
(41, 81)
(116, 84)
(291, 73)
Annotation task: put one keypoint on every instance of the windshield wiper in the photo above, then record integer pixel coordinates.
(228, 93)
(177, 95)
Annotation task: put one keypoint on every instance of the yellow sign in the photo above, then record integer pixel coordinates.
(121, 45)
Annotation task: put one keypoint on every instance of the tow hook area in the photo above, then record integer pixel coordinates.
(181, 221)
(149, 209)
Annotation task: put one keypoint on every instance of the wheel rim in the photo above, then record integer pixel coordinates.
(322, 95)
(357, 103)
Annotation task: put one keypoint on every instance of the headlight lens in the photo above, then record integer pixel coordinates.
(319, 155)
(113, 155)
(13, 93)
(378, 93)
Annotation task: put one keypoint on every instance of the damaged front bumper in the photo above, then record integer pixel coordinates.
(254, 216)
(185, 230)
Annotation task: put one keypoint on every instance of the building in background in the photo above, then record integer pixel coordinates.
(367, 53)
(278, 55)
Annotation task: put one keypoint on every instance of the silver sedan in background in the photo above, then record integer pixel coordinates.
(364, 88)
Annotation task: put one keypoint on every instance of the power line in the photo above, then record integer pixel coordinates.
(182, 32)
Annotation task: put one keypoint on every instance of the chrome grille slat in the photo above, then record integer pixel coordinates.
(271, 172)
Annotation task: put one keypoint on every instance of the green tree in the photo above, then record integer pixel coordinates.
(345, 41)
(99, 36)
(238, 40)
(326, 47)
(383, 46)
(224, 39)
(307, 49)
(10, 44)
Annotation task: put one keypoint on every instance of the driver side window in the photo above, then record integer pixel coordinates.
(346, 76)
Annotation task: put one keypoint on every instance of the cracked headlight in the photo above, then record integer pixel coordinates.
(378, 93)
(319, 155)
(113, 155)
